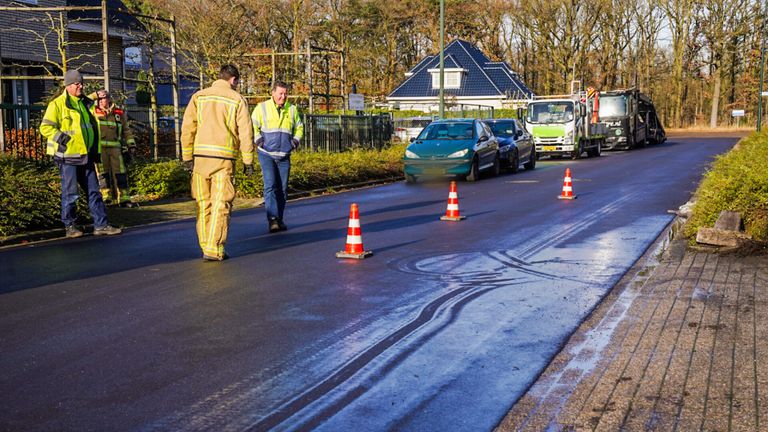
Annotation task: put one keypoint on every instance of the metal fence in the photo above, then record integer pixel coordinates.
(335, 133)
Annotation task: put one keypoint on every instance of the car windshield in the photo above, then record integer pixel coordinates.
(550, 112)
(503, 129)
(612, 106)
(447, 131)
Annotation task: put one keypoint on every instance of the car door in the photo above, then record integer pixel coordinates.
(523, 141)
(487, 148)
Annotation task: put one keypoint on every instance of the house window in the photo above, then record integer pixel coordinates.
(452, 79)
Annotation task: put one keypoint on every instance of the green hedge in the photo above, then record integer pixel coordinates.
(309, 171)
(30, 192)
(737, 181)
(163, 179)
(30, 196)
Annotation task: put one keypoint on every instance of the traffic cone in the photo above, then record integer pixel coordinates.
(567, 186)
(354, 248)
(452, 211)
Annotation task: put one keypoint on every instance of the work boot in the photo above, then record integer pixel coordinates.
(73, 232)
(106, 230)
(281, 225)
(213, 258)
(274, 225)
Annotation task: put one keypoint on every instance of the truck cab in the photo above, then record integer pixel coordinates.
(561, 126)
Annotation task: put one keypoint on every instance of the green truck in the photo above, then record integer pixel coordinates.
(565, 125)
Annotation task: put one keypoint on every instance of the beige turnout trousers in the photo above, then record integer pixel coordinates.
(214, 190)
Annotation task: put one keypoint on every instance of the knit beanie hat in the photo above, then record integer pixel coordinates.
(72, 76)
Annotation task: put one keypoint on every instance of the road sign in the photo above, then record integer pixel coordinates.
(737, 113)
(356, 102)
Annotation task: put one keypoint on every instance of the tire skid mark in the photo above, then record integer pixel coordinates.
(452, 301)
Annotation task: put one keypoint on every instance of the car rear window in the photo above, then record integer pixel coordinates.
(448, 131)
(503, 128)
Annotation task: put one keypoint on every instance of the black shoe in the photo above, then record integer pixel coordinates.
(129, 204)
(73, 232)
(213, 258)
(281, 225)
(274, 225)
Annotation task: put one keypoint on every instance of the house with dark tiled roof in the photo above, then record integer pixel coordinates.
(470, 78)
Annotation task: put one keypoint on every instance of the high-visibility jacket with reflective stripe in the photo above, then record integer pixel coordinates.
(216, 124)
(278, 129)
(70, 133)
(113, 127)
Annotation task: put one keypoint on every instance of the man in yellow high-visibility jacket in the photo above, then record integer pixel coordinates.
(215, 127)
(114, 138)
(70, 129)
(278, 129)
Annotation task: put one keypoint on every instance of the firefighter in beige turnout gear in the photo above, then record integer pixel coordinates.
(115, 138)
(216, 125)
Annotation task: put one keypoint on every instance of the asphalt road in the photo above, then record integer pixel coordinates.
(443, 328)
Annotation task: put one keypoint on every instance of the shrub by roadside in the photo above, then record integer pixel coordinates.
(30, 191)
(737, 181)
(309, 171)
(30, 196)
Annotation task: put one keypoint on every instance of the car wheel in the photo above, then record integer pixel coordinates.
(531, 164)
(410, 178)
(496, 168)
(514, 161)
(474, 172)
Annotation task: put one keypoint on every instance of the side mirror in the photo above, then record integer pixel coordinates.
(520, 114)
(519, 133)
(582, 110)
(413, 139)
(483, 138)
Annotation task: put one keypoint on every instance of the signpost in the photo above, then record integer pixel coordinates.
(356, 102)
(738, 114)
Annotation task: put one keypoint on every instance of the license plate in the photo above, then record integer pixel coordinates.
(434, 171)
(550, 148)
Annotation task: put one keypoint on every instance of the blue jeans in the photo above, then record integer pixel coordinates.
(275, 193)
(85, 176)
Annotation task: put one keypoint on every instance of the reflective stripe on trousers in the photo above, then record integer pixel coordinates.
(214, 190)
(113, 178)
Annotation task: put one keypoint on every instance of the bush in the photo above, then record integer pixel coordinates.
(30, 196)
(738, 181)
(154, 180)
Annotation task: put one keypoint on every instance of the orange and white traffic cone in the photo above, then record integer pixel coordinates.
(452, 211)
(354, 248)
(567, 186)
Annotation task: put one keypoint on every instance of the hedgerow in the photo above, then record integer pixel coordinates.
(30, 191)
(30, 196)
(737, 181)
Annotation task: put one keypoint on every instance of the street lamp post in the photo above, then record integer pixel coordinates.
(442, 59)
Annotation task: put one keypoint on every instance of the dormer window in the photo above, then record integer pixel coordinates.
(452, 77)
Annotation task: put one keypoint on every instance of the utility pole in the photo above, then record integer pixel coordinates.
(442, 58)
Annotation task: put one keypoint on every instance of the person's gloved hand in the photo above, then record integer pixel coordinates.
(189, 165)
(127, 157)
(295, 143)
(248, 170)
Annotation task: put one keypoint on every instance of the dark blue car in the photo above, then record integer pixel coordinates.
(515, 144)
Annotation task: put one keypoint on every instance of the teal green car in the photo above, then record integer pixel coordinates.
(452, 147)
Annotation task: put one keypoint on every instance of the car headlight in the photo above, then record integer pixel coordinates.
(458, 154)
(410, 154)
(569, 136)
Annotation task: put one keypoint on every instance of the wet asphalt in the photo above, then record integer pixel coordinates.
(443, 328)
